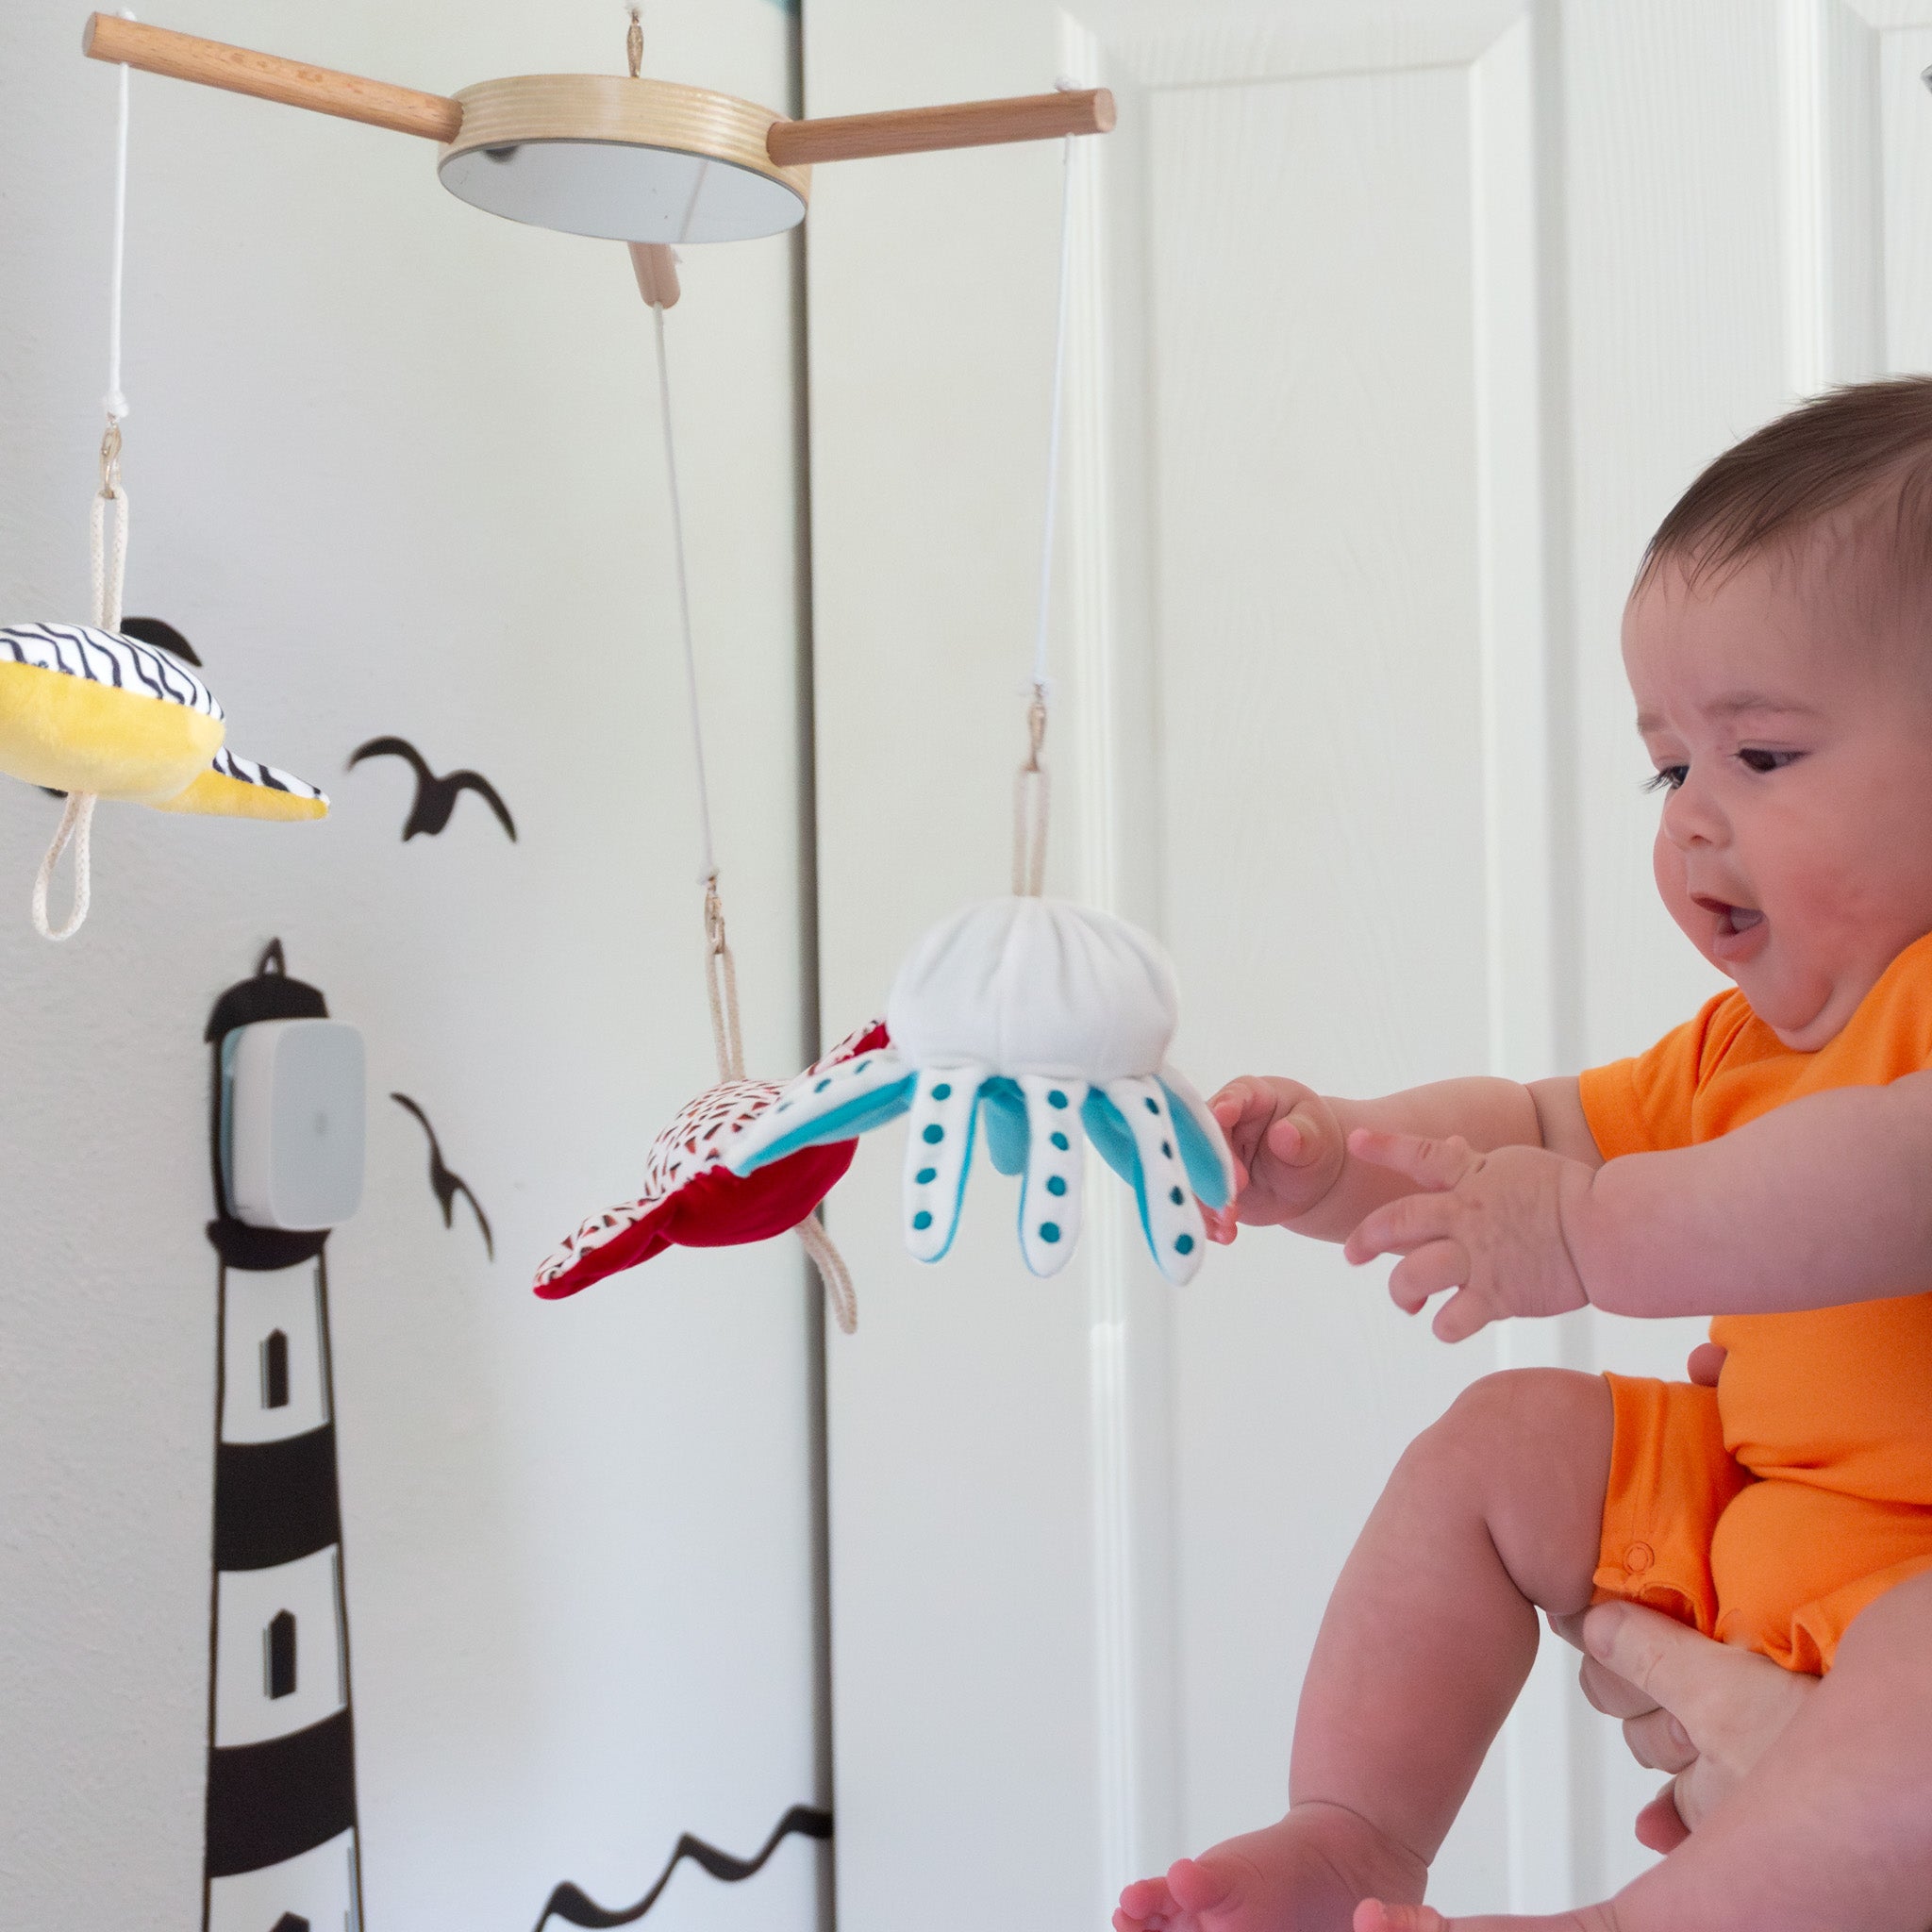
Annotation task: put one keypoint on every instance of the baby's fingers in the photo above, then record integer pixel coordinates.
(1437, 1165)
(1396, 1227)
(1465, 1313)
(1430, 1271)
(1243, 1108)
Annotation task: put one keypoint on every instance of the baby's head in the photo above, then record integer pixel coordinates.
(1778, 642)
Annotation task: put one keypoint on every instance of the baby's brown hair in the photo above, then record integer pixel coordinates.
(1865, 449)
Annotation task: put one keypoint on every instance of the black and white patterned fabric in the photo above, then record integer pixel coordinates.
(271, 777)
(104, 657)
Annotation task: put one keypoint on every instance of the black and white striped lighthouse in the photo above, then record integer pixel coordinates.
(281, 1848)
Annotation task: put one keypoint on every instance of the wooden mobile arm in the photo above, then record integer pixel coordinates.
(435, 117)
(188, 57)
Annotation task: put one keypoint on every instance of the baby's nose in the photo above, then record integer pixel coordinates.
(1690, 817)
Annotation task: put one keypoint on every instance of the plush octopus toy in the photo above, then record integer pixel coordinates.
(1048, 1024)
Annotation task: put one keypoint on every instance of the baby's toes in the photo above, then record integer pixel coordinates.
(1199, 1885)
(1145, 1906)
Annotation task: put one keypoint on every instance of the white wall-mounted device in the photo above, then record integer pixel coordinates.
(293, 1109)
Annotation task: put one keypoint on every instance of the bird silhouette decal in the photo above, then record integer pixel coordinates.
(436, 797)
(163, 635)
(447, 1186)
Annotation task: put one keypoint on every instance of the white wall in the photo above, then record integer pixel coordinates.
(394, 469)
(1398, 325)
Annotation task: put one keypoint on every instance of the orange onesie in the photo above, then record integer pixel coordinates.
(1769, 1510)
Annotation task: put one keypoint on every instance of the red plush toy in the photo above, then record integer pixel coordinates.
(690, 1199)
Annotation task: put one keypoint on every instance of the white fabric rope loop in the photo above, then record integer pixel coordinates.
(109, 577)
(1032, 786)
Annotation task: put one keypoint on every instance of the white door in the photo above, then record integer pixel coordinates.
(1395, 331)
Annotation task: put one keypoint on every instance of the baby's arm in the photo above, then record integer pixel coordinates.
(1820, 1202)
(1825, 1201)
(1294, 1169)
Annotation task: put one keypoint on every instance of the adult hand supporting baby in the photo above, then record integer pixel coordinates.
(1701, 1710)
(1489, 1225)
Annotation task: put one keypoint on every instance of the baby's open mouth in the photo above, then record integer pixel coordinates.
(1731, 919)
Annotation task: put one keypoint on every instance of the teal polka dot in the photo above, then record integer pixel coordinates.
(1049, 1232)
(861, 1066)
(1056, 1098)
(933, 1135)
(1059, 1141)
(1167, 1149)
(943, 1092)
(822, 1086)
(927, 1175)
(1185, 1243)
(921, 1221)
(1055, 1184)
(1152, 1105)
(1176, 1195)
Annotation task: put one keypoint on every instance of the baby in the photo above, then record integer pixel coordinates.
(1768, 1163)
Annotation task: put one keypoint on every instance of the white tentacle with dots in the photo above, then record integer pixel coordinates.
(1168, 1216)
(1056, 1161)
(939, 1153)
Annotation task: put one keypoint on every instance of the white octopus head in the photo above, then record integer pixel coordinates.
(1050, 1023)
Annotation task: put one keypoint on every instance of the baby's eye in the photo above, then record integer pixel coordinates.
(1666, 779)
(1754, 759)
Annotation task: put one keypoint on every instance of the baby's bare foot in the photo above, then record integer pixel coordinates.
(1305, 1875)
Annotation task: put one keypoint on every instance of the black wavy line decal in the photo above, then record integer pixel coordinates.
(570, 1905)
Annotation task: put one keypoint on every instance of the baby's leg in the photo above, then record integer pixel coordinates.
(1495, 1510)
(1830, 1832)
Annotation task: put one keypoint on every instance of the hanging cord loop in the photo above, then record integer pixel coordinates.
(1032, 786)
(634, 41)
(108, 575)
(658, 289)
(1032, 792)
(75, 824)
(721, 988)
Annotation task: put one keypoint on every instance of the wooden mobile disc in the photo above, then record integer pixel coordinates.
(626, 160)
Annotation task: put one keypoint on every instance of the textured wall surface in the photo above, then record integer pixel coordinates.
(394, 468)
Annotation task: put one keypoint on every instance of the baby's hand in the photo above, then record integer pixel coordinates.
(1287, 1147)
(1489, 1225)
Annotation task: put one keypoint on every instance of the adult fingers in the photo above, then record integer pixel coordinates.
(1706, 1358)
(1431, 1269)
(1686, 1674)
(1613, 1695)
(1221, 1222)
(1659, 1827)
(1397, 1226)
(1657, 1741)
(1435, 1164)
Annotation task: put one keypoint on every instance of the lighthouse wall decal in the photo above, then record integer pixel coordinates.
(281, 1847)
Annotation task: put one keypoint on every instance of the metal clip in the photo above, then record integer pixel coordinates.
(111, 460)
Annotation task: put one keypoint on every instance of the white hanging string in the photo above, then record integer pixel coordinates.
(108, 575)
(1032, 786)
(721, 969)
(114, 402)
(709, 873)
